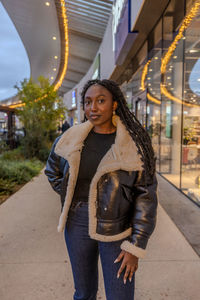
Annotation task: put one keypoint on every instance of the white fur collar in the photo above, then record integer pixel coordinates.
(123, 150)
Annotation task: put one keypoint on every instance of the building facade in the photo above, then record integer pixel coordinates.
(164, 93)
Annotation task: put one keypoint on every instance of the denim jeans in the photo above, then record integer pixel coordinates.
(84, 253)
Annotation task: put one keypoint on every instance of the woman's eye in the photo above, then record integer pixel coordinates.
(87, 102)
(101, 100)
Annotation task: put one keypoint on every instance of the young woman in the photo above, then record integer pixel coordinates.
(104, 171)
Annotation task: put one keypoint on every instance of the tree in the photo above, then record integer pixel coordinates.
(40, 113)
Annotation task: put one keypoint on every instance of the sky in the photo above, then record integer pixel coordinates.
(14, 62)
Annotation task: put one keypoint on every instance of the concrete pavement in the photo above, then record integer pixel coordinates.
(34, 264)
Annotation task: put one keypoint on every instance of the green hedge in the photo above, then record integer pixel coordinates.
(14, 170)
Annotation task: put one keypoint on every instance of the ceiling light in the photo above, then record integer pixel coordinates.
(148, 78)
(52, 77)
(174, 56)
(156, 57)
(54, 38)
(150, 70)
(56, 57)
(198, 79)
(193, 50)
(47, 3)
(54, 69)
(168, 77)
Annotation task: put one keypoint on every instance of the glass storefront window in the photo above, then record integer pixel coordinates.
(136, 97)
(164, 93)
(190, 178)
(172, 89)
(153, 89)
(135, 94)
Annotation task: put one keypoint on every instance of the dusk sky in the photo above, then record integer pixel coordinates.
(14, 63)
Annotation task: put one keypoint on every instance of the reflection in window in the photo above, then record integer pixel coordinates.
(191, 113)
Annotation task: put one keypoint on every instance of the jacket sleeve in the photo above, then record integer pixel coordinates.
(53, 170)
(144, 217)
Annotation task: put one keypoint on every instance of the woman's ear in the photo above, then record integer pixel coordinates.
(115, 105)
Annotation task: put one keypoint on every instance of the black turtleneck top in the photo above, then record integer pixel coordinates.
(95, 147)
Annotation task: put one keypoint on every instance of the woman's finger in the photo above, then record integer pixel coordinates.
(128, 269)
(131, 274)
(121, 255)
(121, 269)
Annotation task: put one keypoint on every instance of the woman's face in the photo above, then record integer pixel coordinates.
(99, 106)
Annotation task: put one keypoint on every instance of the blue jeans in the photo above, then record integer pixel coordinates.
(84, 252)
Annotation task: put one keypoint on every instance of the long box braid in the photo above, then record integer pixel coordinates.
(135, 129)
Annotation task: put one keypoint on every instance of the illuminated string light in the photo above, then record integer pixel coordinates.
(186, 22)
(65, 24)
(175, 99)
(153, 99)
(19, 104)
(143, 77)
(144, 74)
(165, 60)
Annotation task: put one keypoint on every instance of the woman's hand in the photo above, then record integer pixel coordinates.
(130, 262)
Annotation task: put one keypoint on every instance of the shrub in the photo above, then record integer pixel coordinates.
(19, 171)
(6, 187)
(3, 146)
(15, 154)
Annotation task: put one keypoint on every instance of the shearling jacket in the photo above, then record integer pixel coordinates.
(121, 206)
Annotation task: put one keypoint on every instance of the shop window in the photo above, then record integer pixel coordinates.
(190, 181)
(171, 94)
(153, 80)
(164, 92)
(135, 94)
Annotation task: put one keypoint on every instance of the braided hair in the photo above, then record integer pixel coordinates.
(135, 129)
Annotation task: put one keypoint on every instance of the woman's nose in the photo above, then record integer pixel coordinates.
(94, 106)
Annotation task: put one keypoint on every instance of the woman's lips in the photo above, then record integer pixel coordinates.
(95, 117)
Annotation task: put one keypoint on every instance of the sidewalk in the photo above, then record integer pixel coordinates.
(34, 264)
